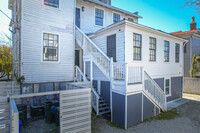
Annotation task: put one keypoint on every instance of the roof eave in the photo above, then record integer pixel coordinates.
(114, 8)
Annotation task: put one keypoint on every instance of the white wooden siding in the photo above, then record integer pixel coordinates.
(37, 19)
(101, 41)
(87, 17)
(75, 111)
(158, 68)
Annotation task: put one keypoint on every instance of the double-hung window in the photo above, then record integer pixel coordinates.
(50, 47)
(52, 3)
(99, 16)
(152, 49)
(137, 46)
(116, 17)
(166, 51)
(177, 53)
(167, 87)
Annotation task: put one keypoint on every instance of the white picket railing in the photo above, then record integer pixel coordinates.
(95, 101)
(155, 91)
(123, 71)
(80, 77)
(90, 48)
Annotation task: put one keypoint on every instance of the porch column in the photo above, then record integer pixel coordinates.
(91, 70)
(84, 70)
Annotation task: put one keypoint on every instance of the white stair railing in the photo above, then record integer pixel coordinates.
(90, 48)
(95, 101)
(152, 88)
(80, 77)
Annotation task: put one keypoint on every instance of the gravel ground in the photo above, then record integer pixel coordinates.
(187, 122)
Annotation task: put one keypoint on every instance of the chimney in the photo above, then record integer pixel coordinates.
(193, 25)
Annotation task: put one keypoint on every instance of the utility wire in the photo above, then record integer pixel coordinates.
(7, 16)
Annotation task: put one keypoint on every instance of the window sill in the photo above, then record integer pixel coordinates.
(50, 62)
(98, 26)
(51, 8)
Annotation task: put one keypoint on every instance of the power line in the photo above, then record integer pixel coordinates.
(7, 16)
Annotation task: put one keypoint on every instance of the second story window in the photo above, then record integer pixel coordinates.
(177, 53)
(166, 51)
(130, 19)
(152, 49)
(50, 47)
(99, 15)
(137, 46)
(52, 3)
(116, 17)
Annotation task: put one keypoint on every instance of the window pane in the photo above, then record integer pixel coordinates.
(99, 15)
(152, 49)
(116, 17)
(166, 51)
(137, 44)
(52, 3)
(50, 47)
(177, 54)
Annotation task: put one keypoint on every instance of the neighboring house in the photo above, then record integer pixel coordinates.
(192, 47)
(135, 69)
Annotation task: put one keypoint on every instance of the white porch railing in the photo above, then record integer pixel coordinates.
(80, 76)
(90, 48)
(14, 117)
(130, 73)
(155, 91)
(95, 101)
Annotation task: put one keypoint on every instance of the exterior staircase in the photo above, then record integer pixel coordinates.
(120, 71)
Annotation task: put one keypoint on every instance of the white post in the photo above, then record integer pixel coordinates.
(76, 73)
(13, 86)
(126, 76)
(111, 86)
(91, 70)
(84, 70)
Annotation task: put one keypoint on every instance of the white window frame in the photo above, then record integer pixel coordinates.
(169, 87)
(42, 43)
(50, 7)
(104, 14)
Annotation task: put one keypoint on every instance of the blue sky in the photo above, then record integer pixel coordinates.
(166, 15)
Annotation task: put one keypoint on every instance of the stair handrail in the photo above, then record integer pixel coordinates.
(78, 70)
(162, 100)
(96, 94)
(95, 101)
(93, 44)
(154, 82)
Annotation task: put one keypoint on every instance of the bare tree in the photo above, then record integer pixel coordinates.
(194, 3)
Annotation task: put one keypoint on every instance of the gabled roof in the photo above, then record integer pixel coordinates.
(114, 8)
(140, 26)
(185, 32)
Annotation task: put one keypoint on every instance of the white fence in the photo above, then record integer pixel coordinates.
(9, 88)
(75, 109)
(4, 114)
(191, 85)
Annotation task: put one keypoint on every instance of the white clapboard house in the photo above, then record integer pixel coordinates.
(135, 69)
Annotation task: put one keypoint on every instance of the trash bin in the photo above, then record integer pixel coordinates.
(22, 109)
(20, 125)
(47, 107)
(57, 116)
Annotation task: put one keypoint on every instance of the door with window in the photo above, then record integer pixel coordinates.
(78, 17)
(111, 47)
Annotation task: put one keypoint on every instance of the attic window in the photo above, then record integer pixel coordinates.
(130, 19)
(52, 3)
